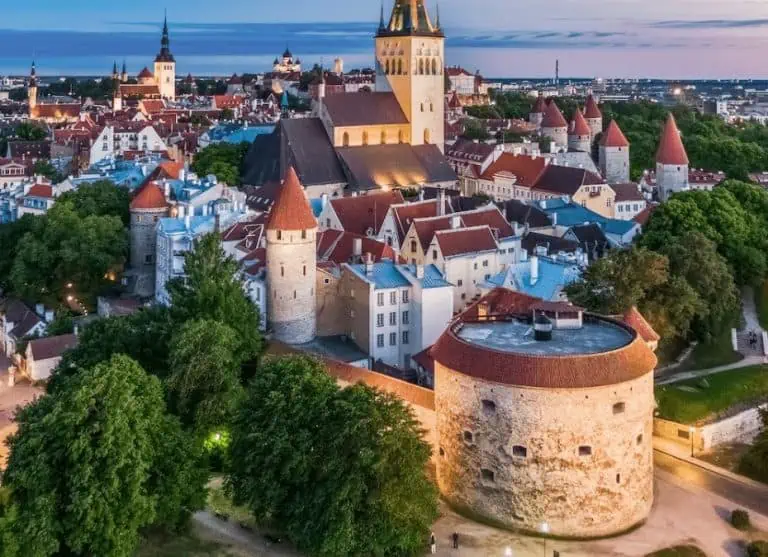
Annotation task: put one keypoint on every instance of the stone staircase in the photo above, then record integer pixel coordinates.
(746, 348)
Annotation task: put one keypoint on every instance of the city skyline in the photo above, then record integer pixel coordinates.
(589, 37)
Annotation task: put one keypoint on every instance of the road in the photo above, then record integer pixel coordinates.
(754, 498)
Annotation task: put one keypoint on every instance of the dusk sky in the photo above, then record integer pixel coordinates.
(502, 38)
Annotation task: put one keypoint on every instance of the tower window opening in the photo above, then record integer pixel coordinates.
(487, 475)
(468, 437)
(619, 408)
(585, 450)
(519, 451)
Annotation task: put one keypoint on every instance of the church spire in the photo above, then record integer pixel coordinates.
(437, 17)
(382, 25)
(165, 44)
(33, 76)
(410, 17)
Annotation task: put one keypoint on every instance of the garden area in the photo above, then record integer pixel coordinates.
(714, 396)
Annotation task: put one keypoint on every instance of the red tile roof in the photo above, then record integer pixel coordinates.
(51, 347)
(671, 150)
(152, 106)
(465, 240)
(553, 118)
(426, 228)
(644, 216)
(145, 73)
(539, 106)
(365, 212)
(406, 214)
(291, 210)
(171, 169)
(613, 136)
(627, 192)
(591, 111)
(342, 249)
(54, 110)
(41, 190)
(579, 125)
(490, 216)
(623, 364)
(635, 319)
(525, 168)
(149, 196)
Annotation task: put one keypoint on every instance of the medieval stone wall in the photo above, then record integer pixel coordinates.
(578, 460)
(614, 164)
(671, 179)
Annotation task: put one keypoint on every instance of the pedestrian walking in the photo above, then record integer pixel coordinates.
(433, 543)
(455, 540)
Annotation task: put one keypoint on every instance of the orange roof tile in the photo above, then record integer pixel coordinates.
(579, 125)
(149, 196)
(591, 111)
(525, 168)
(40, 190)
(613, 136)
(171, 169)
(462, 241)
(671, 149)
(539, 106)
(553, 118)
(291, 210)
(635, 319)
(145, 73)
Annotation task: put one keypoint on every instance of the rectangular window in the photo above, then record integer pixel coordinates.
(393, 318)
(379, 319)
(392, 298)
(434, 255)
(406, 318)
(406, 338)
(485, 263)
(380, 299)
(380, 341)
(406, 296)
(459, 282)
(393, 339)
(475, 265)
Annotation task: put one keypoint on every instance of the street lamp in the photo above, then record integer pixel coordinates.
(508, 552)
(692, 431)
(544, 530)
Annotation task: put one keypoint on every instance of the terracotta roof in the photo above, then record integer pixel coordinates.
(171, 169)
(41, 190)
(136, 90)
(149, 196)
(407, 213)
(613, 136)
(626, 363)
(145, 74)
(671, 149)
(365, 212)
(526, 168)
(465, 240)
(635, 319)
(152, 106)
(539, 107)
(291, 210)
(341, 250)
(579, 125)
(54, 110)
(51, 347)
(644, 216)
(426, 228)
(591, 111)
(490, 216)
(362, 109)
(454, 101)
(553, 118)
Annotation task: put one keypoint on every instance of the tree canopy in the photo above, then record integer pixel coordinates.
(342, 471)
(223, 160)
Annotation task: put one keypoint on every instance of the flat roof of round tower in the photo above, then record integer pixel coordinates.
(291, 210)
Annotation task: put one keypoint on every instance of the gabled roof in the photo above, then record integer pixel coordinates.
(41, 190)
(365, 212)
(149, 196)
(522, 213)
(579, 125)
(553, 244)
(627, 192)
(613, 136)
(465, 240)
(553, 118)
(591, 110)
(671, 150)
(145, 74)
(490, 216)
(425, 229)
(291, 210)
(51, 347)
(525, 168)
(342, 247)
(364, 109)
(565, 180)
(407, 213)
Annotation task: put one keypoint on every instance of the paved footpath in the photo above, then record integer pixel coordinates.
(685, 375)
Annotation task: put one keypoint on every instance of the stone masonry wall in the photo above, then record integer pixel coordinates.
(614, 164)
(671, 179)
(579, 460)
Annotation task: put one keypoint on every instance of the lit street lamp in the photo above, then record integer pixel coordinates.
(692, 431)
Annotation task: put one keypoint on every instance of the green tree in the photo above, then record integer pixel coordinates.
(205, 373)
(63, 324)
(100, 198)
(212, 289)
(46, 169)
(221, 157)
(475, 129)
(81, 460)
(30, 132)
(342, 471)
(10, 238)
(225, 173)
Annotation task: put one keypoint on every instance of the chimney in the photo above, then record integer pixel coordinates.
(324, 200)
(554, 219)
(368, 264)
(534, 269)
(420, 271)
(455, 222)
(441, 202)
(421, 195)
(180, 211)
(357, 247)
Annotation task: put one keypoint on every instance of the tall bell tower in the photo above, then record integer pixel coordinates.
(410, 60)
(165, 67)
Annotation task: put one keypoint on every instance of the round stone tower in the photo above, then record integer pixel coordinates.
(147, 207)
(579, 134)
(671, 162)
(554, 126)
(550, 433)
(593, 117)
(537, 112)
(614, 155)
(291, 265)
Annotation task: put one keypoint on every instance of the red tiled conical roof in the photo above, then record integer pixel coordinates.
(591, 111)
(671, 149)
(540, 106)
(579, 125)
(291, 210)
(613, 136)
(145, 73)
(149, 196)
(553, 118)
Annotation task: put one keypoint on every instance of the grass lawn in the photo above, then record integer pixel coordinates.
(719, 352)
(679, 551)
(761, 301)
(181, 545)
(690, 401)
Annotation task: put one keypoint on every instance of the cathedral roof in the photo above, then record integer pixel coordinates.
(364, 109)
(553, 118)
(579, 124)
(291, 210)
(671, 149)
(145, 73)
(591, 111)
(410, 17)
(149, 196)
(613, 136)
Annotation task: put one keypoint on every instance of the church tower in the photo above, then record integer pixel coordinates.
(291, 264)
(32, 91)
(410, 58)
(165, 67)
(124, 74)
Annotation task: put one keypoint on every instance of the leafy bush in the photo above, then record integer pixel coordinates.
(740, 519)
(757, 549)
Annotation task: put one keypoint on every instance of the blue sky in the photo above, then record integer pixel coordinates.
(660, 38)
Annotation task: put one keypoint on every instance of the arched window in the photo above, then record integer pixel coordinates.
(431, 107)
(386, 68)
(282, 271)
(427, 69)
(434, 66)
(422, 107)
(383, 137)
(427, 136)
(421, 66)
(345, 139)
(400, 66)
(365, 138)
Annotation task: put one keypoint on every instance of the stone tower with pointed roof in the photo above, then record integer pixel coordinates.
(579, 133)
(554, 126)
(671, 161)
(165, 67)
(594, 117)
(614, 155)
(537, 112)
(147, 207)
(410, 59)
(291, 264)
